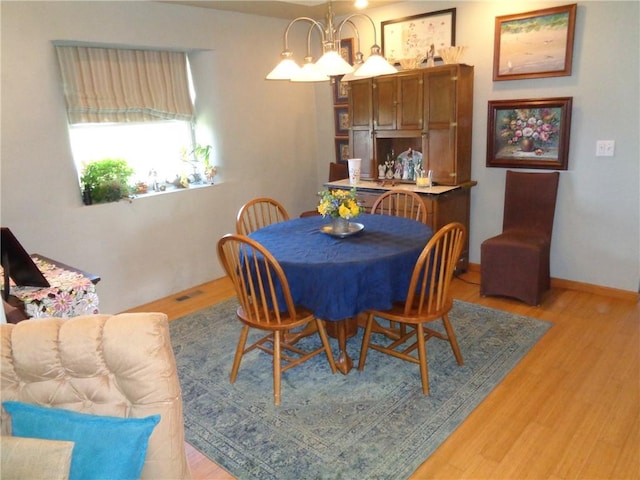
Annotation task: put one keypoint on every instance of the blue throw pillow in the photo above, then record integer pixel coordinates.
(105, 447)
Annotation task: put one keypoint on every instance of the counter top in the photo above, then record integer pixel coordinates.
(388, 185)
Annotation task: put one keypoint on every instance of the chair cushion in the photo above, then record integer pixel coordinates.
(105, 447)
(517, 239)
(22, 458)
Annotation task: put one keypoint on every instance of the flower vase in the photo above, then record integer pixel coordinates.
(340, 225)
(526, 144)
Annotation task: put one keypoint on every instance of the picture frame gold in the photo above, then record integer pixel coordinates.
(531, 133)
(534, 44)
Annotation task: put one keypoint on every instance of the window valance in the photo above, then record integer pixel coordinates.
(124, 85)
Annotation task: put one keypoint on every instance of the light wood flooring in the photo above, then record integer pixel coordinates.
(569, 410)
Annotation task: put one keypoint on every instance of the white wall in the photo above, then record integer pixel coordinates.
(596, 236)
(276, 139)
(265, 144)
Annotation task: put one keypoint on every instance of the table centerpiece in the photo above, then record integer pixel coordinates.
(341, 206)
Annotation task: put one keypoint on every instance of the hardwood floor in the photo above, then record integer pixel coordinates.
(569, 410)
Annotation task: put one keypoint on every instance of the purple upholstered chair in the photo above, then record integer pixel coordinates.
(516, 262)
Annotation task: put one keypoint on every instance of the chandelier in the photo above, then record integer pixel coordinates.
(331, 62)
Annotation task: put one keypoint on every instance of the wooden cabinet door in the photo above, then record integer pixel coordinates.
(384, 103)
(360, 103)
(448, 112)
(361, 147)
(440, 126)
(397, 102)
(409, 112)
(361, 129)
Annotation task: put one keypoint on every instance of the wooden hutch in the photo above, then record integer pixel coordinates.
(428, 110)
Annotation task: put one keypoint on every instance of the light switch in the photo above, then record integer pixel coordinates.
(605, 148)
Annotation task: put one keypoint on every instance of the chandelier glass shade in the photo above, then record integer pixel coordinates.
(374, 65)
(309, 72)
(331, 62)
(286, 69)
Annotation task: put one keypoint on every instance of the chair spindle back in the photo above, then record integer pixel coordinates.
(258, 279)
(258, 213)
(401, 203)
(429, 288)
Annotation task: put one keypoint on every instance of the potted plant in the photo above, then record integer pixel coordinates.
(202, 154)
(105, 181)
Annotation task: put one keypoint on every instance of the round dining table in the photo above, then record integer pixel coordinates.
(338, 278)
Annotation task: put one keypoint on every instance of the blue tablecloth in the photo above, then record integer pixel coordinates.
(339, 278)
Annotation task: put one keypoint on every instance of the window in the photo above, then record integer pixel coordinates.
(129, 104)
(150, 148)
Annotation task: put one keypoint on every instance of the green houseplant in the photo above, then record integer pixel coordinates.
(202, 154)
(105, 181)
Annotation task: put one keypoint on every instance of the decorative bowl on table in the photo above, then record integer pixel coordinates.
(342, 229)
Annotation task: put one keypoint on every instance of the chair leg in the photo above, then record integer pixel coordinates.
(422, 356)
(402, 328)
(365, 342)
(239, 352)
(452, 338)
(277, 367)
(327, 346)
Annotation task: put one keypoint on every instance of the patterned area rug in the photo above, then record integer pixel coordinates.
(374, 424)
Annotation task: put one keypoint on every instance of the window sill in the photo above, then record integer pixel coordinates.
(152, 193)
(169, 188)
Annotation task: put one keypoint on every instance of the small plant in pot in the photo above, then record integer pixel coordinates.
(202, 154)
(105, 181)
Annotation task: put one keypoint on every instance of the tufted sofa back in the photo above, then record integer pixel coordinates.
(120, 365)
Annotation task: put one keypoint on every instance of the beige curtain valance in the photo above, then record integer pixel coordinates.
(124, 85)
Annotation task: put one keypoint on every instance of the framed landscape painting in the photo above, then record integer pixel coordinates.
(529, 133)
(534, 44)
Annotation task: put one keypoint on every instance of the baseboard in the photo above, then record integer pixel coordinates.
(583, 287)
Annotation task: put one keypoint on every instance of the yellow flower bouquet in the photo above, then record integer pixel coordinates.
(339, 203)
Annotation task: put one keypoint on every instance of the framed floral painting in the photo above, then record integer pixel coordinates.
(340, 90)
(531, 133)
(341, 118)
(346, 50)
(342, 150)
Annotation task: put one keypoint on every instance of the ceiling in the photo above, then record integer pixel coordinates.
(283, 9)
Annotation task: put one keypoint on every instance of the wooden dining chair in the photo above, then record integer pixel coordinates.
(258, 213)
(428, 299)
(258, 278)
(401, 203)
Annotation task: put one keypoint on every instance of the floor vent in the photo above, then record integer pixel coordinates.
(189, 295)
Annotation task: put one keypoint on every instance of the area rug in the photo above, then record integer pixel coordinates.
(374, 424)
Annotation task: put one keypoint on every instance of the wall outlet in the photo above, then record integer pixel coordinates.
(605, 148)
